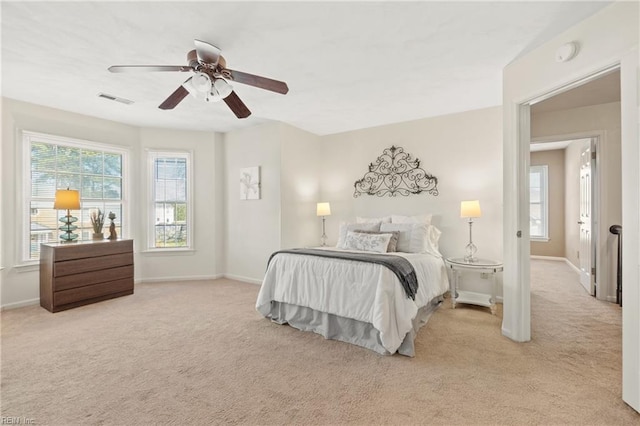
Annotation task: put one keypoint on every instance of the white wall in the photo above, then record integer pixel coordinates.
(462, 150)
(253, 226)
(609, 37)
(300, 187)
(201, 261)
(20, 285)
(284, 217)
(300, 169)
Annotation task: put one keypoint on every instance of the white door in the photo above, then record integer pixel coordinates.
(587, 164)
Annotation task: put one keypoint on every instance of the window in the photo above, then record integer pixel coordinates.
(538, 202)
(170, 200)
(52, 163)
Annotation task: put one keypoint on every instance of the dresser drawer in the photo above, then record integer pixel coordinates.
(72, 251)
(70, 267)
(92, 291)
(95, 277)
(83, 272)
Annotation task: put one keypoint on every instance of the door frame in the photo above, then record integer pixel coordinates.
(517, 317)
(516, 323)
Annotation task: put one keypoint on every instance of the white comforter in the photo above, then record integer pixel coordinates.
(361, 291)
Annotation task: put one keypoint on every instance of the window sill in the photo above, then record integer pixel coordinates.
(27, 267)
(539, 239)
(169, 252)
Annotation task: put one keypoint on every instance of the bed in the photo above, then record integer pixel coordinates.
(353, 301)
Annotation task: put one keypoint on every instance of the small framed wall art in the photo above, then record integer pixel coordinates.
(250, 183)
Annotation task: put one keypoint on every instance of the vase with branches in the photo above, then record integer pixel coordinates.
(97, 221)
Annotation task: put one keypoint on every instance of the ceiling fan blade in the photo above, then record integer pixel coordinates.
(147, 68)
(207, 53)
(237, 106)
(175, 98)
(257, 81)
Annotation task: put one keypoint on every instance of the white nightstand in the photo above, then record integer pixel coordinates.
(480, 266)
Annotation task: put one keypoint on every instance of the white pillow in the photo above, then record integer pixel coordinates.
(384, 219)
(346, 227)
(412, 237)
(377, 243)
(433, 238)
(423, 218)
(415, 237)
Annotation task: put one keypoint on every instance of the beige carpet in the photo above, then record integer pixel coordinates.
(196, 353)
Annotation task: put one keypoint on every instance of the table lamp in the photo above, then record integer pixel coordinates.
(323, 209)
(67, 199)
(470, 209)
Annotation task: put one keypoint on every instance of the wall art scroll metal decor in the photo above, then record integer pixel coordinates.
(394, 173)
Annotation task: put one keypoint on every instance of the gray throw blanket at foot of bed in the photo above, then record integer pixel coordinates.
(400, 266)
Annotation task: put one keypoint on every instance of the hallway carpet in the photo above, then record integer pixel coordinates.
(196, 353)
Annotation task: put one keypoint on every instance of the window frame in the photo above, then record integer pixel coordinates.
(543, 171)
(152, 155)
(25, 197)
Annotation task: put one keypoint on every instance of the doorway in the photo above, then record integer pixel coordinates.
(517, 251)
(584, 122)
(563, 200)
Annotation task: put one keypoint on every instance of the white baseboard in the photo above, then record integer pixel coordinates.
(179, 278)
(572, 266)
(243, 279)
(20, 304)
(560, 259)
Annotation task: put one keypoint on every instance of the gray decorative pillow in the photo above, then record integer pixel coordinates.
(377, 243)
(393, 242)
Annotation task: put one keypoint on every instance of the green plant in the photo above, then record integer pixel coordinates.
(97, 221)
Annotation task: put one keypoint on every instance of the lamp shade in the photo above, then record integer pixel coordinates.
(67, 199)
(323, 209)
(470, 209)
(201, 82)
(224, 89)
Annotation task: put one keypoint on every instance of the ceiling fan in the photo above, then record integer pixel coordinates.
(209, 81)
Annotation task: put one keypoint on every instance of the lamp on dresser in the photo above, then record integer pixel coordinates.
(67, 199)
(323, 209)
(469, 210)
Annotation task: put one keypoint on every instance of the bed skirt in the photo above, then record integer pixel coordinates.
(348, 330)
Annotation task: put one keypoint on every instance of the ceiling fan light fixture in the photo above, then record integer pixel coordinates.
(210, 79)
(223, 88)
(213, 96)
(201, 82)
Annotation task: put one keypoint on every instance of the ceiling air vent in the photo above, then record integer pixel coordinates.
(115, 98)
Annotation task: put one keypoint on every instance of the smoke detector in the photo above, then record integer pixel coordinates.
(566, 52)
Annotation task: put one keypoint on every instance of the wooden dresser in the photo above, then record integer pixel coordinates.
(76, 274)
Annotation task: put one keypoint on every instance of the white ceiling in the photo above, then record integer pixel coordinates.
(602, 90)
(549, 146)
(348, 65)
